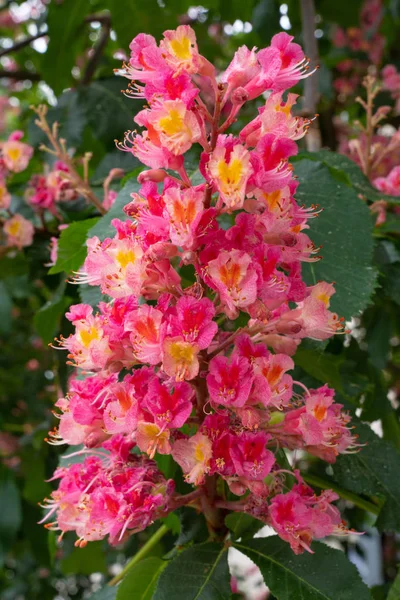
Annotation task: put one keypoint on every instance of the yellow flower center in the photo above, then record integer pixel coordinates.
(183, 215)
(284, 109)
(124, 257)
(13, 153)
(230, 173)
(172, 123)
(324, 298)
(320, 412)
(182, 352)
(273, 199)
(230, 274)
(181, 48)
(14, 228)
(199, 452)
(88, 335)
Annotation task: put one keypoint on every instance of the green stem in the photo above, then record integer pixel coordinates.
(327, 485)
(144, 550)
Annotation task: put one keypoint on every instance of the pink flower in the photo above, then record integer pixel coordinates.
(89, 346)
(183, 211)
(250, 457)
(144, 325)
(300, 516)
(193, 321)
(322, 425)
(313, 317)
(177, 128)
(234, 277)
(5, 196)
(229, 169)
(272, 385)
(168, 409)
(19, 231)
(180, 358)
(229, 381)
(275, 118)
(242, 68)
(97, 499)
(390, 184)
(193, 455)
(117, 265)
(15, 154)
(269, 161)
(179, 48)
(151, 438)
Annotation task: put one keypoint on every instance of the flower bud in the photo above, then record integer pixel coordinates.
(156, 175)
(276, 417)
(239, 96)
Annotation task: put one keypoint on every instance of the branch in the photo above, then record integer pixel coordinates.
(144, 550)
(19, 75)
(59, 149)
(345, 494)
(98, 49)
(311, 93)
(22, 44)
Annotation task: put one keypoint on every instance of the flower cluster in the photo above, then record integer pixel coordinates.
(46, 190)
(391, 83)
(14, 158)
(114, 494)
(390, 184)
(188, 260)
(364, 39)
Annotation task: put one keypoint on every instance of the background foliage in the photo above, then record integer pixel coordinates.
(74, 47)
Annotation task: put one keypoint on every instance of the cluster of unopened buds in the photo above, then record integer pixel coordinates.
(46, 190)
(364, 39)
(216, 396)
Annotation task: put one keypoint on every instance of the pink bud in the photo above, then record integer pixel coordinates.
(15, 136)
(156, 175)
(288, 327)
(239, 96)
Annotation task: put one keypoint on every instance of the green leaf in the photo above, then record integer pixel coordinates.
(10, 266)
(198, 573)
(10, 502)
(374, 471)
(72, 246)
(140, 581)
(242, 524)
(394, 592)
(344, 169)
(103, 227)
(347, 250)
(193, 526)
(325, 575)
(108, 112)
(66, 25)
(35, 486)
(322, 366)
(172, 522)
(52, 546)
(106, 593)
(5, 310)
(346, 14)
(130, 18)
(230, 10)
(265, 19)
(113, 160)
(91, 294)
(87, 560)
(47, 319)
